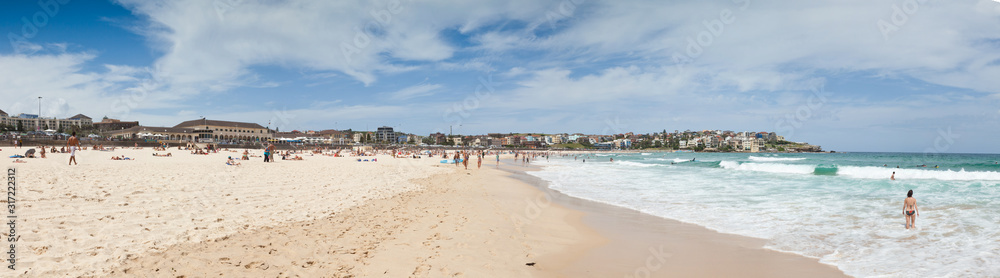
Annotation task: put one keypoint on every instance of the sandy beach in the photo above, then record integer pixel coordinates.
(193, 216)
(89, 218)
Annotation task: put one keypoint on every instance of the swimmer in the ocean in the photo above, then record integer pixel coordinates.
(910, 210)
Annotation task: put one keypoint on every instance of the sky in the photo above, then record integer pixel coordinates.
(849, 75)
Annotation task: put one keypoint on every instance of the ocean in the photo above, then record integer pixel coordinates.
(841, 208)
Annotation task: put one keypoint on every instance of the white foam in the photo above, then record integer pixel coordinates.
(637, 164)
(856, 234)
(646, 153)
(758, 158)
(915, 174)
(768, 167)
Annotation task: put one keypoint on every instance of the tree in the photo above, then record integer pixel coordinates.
(429, 140)
(20, 126)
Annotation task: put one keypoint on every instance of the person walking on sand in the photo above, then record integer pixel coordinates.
(910, 210)
(479, 161)
(73, 144)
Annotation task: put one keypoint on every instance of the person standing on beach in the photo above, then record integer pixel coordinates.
(267, 152)
(910, 210)
(73, 144)
(479, 161)
(465, 161)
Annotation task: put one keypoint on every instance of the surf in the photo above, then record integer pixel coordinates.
(862, 172)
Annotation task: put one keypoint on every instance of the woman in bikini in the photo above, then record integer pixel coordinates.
(910, 210)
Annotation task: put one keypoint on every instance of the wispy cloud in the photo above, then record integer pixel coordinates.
(415, 91)
(653, 64)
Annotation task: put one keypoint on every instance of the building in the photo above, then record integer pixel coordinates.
(337, 136)
(34, 122)
(203, 130)
(162, 133)
(512, 141)
(414, 139)
(483, 142)
(385, 134)
(227, 131)
(439, 138)
(107, 124)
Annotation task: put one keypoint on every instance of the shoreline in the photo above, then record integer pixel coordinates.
(399, 217)
(644, 245)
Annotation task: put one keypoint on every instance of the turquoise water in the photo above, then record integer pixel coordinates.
(841, 208)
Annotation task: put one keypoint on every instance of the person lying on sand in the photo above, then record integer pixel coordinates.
(19, 161)
(121, 158)
(232, 162)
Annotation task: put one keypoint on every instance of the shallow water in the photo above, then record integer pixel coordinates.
(841, 208)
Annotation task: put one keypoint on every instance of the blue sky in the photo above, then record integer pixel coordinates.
(910, 76)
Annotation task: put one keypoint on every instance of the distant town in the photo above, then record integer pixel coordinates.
(244, 133)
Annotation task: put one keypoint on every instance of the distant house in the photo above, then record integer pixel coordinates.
(336, 136)
(439, 138)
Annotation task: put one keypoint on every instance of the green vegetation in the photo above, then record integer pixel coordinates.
(428, 140)
(570, 146)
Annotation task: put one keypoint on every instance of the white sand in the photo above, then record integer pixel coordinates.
(87, 219)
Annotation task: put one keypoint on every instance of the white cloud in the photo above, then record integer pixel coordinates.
(356, 39)
(415, 91)
(606, 57)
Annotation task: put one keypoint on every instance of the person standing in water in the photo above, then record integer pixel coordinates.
(893, 177)
(910, 210)
(73, 144)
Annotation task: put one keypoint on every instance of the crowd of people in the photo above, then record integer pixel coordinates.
(272, 154)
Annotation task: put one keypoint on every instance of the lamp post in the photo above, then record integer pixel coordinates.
(39, 126)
